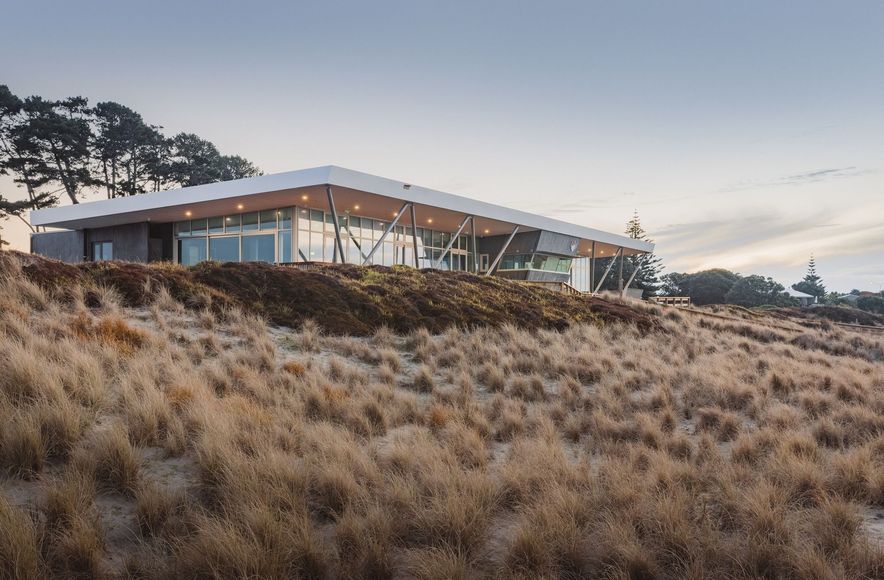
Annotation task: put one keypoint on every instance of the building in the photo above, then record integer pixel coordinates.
(327, 214)
(803, 298)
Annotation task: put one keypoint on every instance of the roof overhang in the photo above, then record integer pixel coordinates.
(354, 191)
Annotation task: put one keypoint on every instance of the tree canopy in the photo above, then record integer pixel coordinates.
(811, 283)
(756, 290)
(705, 287)
(66, 148)
(649, 265)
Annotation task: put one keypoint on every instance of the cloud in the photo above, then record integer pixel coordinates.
(804, 178)
(756, 240)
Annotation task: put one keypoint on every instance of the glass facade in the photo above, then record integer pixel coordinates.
(224, 249)
(545, 262)
(301, 234)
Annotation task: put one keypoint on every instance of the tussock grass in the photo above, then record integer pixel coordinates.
(678, 448)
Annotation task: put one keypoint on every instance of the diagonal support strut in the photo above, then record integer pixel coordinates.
(502, 250)
(619, 254)
(386, 232)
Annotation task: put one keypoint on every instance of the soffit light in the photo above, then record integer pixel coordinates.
(429, 220)
(304, 197)
(239, 206)
(188, 213)
(355, 207)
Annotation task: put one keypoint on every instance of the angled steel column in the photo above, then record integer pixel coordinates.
(620, 275)
(475, 249)
(502, 250)
(331, 205)
(631, 278)
(608, 270)
(453, 239)
(414, 234)
(592, 267)
(386, 231)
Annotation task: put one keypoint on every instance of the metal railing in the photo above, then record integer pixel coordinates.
(672, 300)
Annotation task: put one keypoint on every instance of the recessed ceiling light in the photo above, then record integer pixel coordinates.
(487, 231)
(395, 213)
(304, 197)
(355, 207)
(188, 213)
(429, 220)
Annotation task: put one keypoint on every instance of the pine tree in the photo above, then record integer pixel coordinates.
(812, 283)
(648, 276)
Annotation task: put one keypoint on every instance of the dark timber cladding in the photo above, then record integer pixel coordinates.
(327, 214)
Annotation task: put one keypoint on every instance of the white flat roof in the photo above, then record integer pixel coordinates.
(163, 206)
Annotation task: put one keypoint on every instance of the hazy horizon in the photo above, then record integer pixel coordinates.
(746, 136)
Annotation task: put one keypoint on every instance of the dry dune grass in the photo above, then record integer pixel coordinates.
(159, 442)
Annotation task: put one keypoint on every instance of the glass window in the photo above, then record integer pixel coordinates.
(198, 227)
(268, 219)
(182, 229)
(192, 251)
(224, 249)
(303, 247)
(303, 219)
(315, 247)
(259, 248)
(285, 218)
(315, 220)
(436, 240)
(331, 249)
(353, 254)
(102, 251)
(250, 221)
(232, 224)
(216, 225)
(285, 246)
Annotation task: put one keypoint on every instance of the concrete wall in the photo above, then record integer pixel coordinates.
(130, 241)
(67, 246)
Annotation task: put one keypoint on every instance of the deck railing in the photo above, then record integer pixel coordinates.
(672, 300)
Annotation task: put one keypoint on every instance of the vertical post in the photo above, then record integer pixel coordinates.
(620, 276)
(414, 234)
(390, 227)
(331, 205)
(592, 267)
(474, 248)
(502, 250)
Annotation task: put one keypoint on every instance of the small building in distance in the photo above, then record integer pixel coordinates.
(803, 299)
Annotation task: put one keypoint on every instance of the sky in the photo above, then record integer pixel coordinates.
(747, 135)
